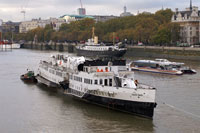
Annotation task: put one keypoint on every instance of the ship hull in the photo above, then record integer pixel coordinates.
(10, 46)
(170, 72)
(143, 109)
(90, 53)
(46, 82)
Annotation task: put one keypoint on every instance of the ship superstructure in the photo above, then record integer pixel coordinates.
(90, 49)
(109, 84)
(105, 82)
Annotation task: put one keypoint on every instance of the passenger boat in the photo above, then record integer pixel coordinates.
(108, 83)
(176, 65)
(93, 49)
(90, 49)
(29, 77)
(160, 66)
(6, 45)
(15, 45)
(103, 82)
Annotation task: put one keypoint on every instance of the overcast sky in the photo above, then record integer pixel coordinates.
(10, 9)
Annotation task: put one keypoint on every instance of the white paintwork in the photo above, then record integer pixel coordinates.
(10, 46)
(84, 81)
(91, 46)
(129, 91)
(59, 64)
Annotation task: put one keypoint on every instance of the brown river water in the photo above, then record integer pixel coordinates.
(26, 108)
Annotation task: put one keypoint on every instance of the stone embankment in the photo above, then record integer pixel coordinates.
(69, 47)
(186, 53)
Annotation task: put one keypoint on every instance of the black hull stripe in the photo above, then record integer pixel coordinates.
(144, 109)
(100, 53)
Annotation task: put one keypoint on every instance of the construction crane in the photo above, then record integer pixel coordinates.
(23, 8)
(81, 4)
(24, 13)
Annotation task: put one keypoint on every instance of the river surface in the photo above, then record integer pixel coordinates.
(26, 108)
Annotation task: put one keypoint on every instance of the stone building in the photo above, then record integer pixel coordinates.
(35, 23)
(101, 18)
(9, 27)
(125, 13)
(189, 21)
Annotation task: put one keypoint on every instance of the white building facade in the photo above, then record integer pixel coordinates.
(189, 21)
(35, 23)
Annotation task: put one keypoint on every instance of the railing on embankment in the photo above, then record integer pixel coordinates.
(69, 47)
(187, 53)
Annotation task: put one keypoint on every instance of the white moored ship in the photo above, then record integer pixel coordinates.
(103, 82)
(109, 84)
(10, 46)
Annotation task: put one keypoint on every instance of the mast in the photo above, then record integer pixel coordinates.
(93, 35)
(81, 4)
(113, 38)
(191, 5)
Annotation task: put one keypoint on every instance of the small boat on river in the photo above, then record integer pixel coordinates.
(29, 77)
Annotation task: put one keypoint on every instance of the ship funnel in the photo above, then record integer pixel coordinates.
(96, 39)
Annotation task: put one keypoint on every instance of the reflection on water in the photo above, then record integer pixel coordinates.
(98, 119)
(36, 108)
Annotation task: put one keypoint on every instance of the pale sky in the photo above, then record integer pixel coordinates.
(10, 9)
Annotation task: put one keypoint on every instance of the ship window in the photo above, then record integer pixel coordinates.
(101, 82)
(95, 82)
(110, 82)
(90, 81)
(87, 81)
(59, 73)
(106, 82)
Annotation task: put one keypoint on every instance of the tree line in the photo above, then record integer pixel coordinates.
(154, 28)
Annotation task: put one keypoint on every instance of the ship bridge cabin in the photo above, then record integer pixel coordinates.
(106, 73)
(103, 66)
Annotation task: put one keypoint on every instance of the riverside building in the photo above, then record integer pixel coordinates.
(35, 23)
(189, 21)
(125, 13)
